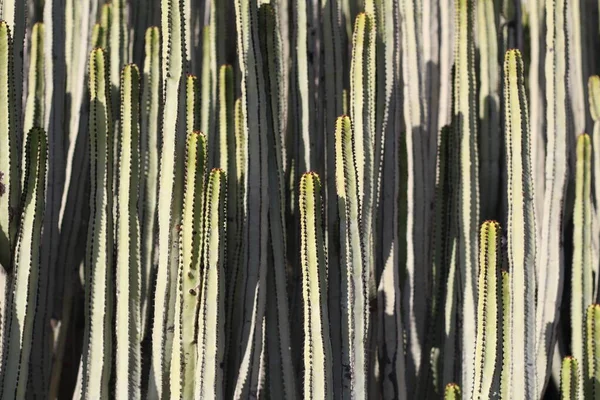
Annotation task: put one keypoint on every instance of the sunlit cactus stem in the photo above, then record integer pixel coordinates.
(149, 154)
(97, 345)
(592, 353)
(505, 375)
(582, 291)
(594, 100)
(521, 229)
(24, 300)
(185, 347)
(487, 309)
(34, 109)
(127, 262)
(170, 183)
(317, 347)
(452, 392)
(557, 128)
(355, 274)
(569, 379)
(464, 122)
(211, 318)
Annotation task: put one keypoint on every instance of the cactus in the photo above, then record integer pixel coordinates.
(127, 240)
(169, 202)
(118, 40)
(452, 392)
(209, 374)
(594, 100)
(9, 159)
(189, 281)
(317, 347)
(304, 86)
(97, 347)
(468, 198)
(206, 105)
(414, 119)
(487, 309)
(569, 379)
(149, 161)
(34, 109)
(489, 106)
(581, 271)
(281, 379)
(360, 279)
(506, 373)
(20, 321)
(550, 249)
(355, 275)
(226, 138)
(592, 352)
(521, 227)
(251, 333)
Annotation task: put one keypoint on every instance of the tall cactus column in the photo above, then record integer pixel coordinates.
(521, 232)
(211, 321)
(464, 122)
(9, 158)
(557, 131)
(317, 355)
(97, 346)
(169, 186)
(250, 338)
(127, 241)
(25, 299)
(355, 274)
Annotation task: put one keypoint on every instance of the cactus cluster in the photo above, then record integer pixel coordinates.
(319, 199)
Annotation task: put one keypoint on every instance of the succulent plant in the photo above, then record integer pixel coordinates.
(241, 199)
